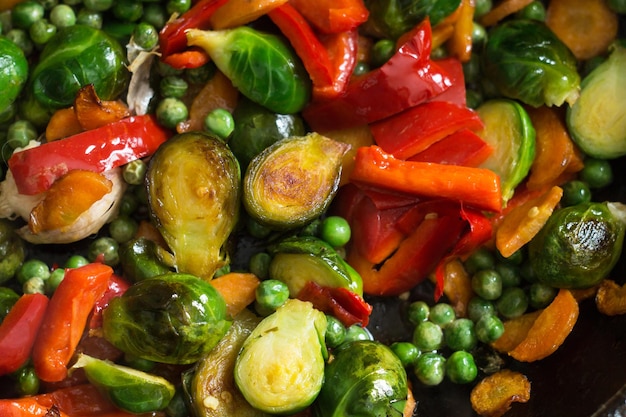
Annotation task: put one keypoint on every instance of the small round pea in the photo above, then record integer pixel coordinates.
(478, 307)
(460, 334)
(171, 111)
(535, 10)
(259, 264)
(442, 314)
(407, 352)
(24, 14)
(32, 268)
(62, 16)
(42, 31)
(123, 228)
(575, 192)
(257, 229)
(357, 332)
(154, 14)
(382, 50)
(487, 283)
(479, 34)
(27, 381)
(271, 294)
(335, 331)
(482, 7)
(220, 122)
(34, 285)
(48, 4)
(418, 311)
(489, 328)
(128, 204)
(98, 5)
(361, 68)
(540, 295)
(52, 283)
(20, 133)
(471, 68)
(428, 336)
(430, 368)
(90, 18)
(474, 98)
(173, 86)
(145, 35)
(134, 172)
(127, 10)
(461, 367)
(200, 75)
(21, 38)
(76, 261)
(177, 6)
(509, 273)
(512, 303)
(597, 173)
(335, 231)
(480, 259)
(106, 248)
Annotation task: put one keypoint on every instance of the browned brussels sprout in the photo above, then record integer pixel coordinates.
(194, 196)
(293, 181)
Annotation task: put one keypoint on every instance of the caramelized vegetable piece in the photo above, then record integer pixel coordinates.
(522, 223)
(587, 27)
(492, 397)
(515, 331)
(93, 113)
(550, 329)
(611, 298)
(68, 198)
(460, 43)
(62, 124)
(457, 286)
(502, 10)
(237, 289)
(239, 12)
(355, 137)
(217, 93)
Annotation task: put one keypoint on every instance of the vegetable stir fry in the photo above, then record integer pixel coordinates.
(208, 208)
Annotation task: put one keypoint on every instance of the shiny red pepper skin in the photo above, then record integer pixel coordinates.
(35, 170)
(117, 286)
(342, 303)
(463, 147)
(333, 16)
(19, 330)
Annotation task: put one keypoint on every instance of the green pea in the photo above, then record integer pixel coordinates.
(597, 173)
(154, 14)
(474, 98)
(271, 294)
(128, 203)
(98, 5)
(479, 34)
(32, 268)
(442, 314)
(52, 283)
(335, 331)
(460, 334)
(106, 248)
(407, 352)
(27, 381)
(382, 50)
(200, 75)
(177, 6)
(259, 264)
(90, 18)
(173, 86)
(134, 172)
(20, 133)
(127, 10)
(489, 328)
(482, 7)
(480, 259)
(220, 122)
(428, 336)
(461, 367)
(76, 261)
(22, 39)
(575, 192)
(361, 68)
(430, 368)
(62, 16)
(145, 35)
(535, 10)
(471, 69)
(540, 295)
(48, 4)
(509, 273)
(123, 228)
(512, 303)
(42, 31)
(24, 14)
(357, 332)
(171, 111)
(335, 231)
(418, 311)
(257, 229)
(478, 307)
(487, 283)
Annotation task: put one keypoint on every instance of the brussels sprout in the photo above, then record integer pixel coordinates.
(141, 258)
(280, 368)
(212, 390)
(298, 260)
(173, 318)
(76, 56)
(597, 121)
(127, 388)
(13, 72)
(256, 128)
(293, 181)
(365, 378)
(526, 61)
(12, 251)
(193, 183)
(392, 18)
(260, 65)
(579, 245)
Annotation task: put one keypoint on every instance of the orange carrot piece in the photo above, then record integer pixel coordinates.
(460, 43)
(493, 395)
(587, 27)
(238, 290)
(611, 298)
(355, 137)
(522, 223)
(457, 286)
(515, 331)
(441, 34)
(239, 12)
(93, 113)
(550, 330)
(503, 9)
(62, 124)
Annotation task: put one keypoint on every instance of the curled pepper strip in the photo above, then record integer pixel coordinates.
(342, 303)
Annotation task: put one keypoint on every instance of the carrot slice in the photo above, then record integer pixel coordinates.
(503, 9)
(93, 113)
(587, 27)
(515, 331)
(237, 289)
(239, 12)
(493, 395)
(611, 298)
(550, 329)
(457, 286)
(460, 43)
(520, 225)
(441, 34)
(62, 124)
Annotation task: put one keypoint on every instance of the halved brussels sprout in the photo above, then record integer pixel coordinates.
(509, 131)
(597, 121)
(298, 260)
(212, 390)
(173, 318)
(579, 245)
(365, 378)
(280, 368)
(194, 194)
(294, 180)
(127, 388)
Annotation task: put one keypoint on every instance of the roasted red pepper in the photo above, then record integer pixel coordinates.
(172, 37)
(409, 78)
(342, 49)
(476, 187)
(191, 58)
(463, 147)
(66, 318)
(117, 286)
(19, 330)
(412, 131)
(35, 169)
(333, 16)
(342, 303)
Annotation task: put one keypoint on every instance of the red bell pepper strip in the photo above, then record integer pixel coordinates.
(172, 37)
(333, 16)
(416, 257)
(476, 187)
(407, 79)
(457, 93)
(117, 286)
(342, 51)
(463, 147)
(68, 311)
(191, 58)
(342, 303)
(412, 131)
(35, 169)
(19, 330)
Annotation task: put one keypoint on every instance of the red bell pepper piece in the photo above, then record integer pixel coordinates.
(333, 16)
(19, 329)
(476, 187)
(172, 37)
(456, 93)
(191, 58)
(68, 311)
(412, 131)
(342, 51)
(35, 169)
(463, 147)
(117, 286)
(342, 303)
(407, 79)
